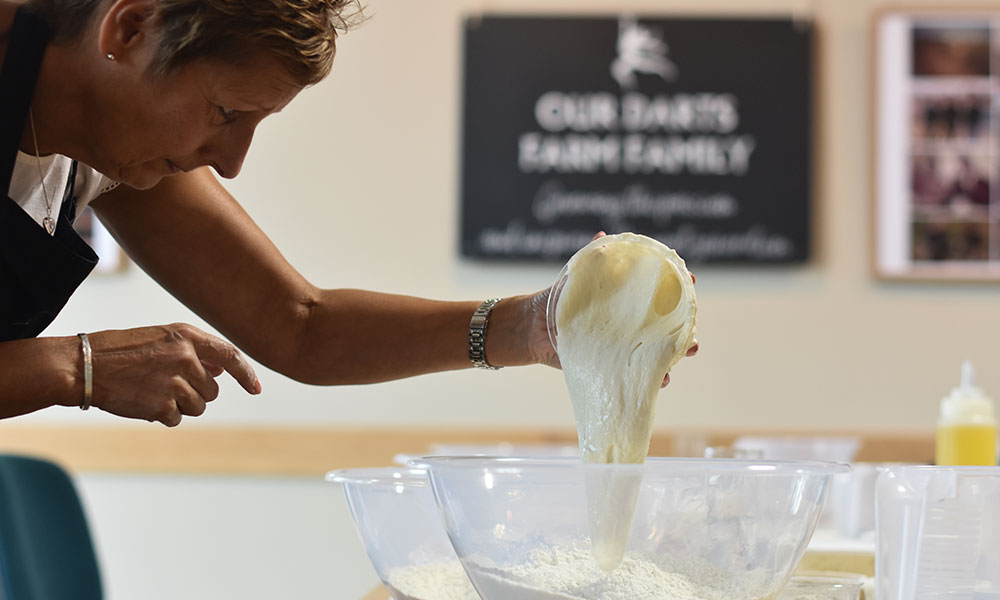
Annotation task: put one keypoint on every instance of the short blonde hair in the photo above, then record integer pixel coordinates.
(300, 34)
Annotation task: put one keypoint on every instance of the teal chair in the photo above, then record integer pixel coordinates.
(46, 552)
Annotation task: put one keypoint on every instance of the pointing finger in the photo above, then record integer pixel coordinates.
(213, 370)
(223, 354)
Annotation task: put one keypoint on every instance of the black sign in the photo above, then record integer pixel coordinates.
(692, 131)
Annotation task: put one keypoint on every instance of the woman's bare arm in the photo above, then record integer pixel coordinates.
(196, 241)
(38, 373)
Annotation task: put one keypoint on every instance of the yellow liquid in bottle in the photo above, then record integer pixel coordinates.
(966, 445)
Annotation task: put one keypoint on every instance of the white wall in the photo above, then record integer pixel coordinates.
(357, 183)
(213, 538)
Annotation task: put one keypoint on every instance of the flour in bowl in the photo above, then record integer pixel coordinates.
(624, 317)
(562, 574)
(434, 581)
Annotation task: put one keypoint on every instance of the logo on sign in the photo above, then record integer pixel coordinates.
(640, 50)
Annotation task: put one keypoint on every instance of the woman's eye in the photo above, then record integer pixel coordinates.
(228, 114)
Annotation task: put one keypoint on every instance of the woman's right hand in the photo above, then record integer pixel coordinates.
(163, 372)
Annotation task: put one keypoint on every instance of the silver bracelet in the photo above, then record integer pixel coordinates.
(88, 372)
(477, 334)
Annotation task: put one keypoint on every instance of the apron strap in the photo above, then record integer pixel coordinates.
(68, 211)
(25, 49)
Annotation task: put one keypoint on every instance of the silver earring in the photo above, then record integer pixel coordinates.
(110, 56)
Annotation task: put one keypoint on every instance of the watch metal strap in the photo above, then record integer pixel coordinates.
(477, 334)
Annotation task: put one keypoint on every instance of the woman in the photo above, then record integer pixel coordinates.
(128, 105)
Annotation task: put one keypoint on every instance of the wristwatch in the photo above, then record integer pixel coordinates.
(477, 334)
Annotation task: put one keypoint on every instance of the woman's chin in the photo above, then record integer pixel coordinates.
(140, 179)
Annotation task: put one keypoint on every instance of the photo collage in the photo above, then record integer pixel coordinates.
(955, 141)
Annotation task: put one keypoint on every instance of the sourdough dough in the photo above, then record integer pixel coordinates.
(625, 315)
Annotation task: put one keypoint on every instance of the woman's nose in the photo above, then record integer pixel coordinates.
(227, 153)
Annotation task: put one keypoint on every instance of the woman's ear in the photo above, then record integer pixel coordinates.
(125, 27)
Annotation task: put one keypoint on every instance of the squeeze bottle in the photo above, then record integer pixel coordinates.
(966, 427)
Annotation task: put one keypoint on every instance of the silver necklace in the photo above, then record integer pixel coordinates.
(48, 222)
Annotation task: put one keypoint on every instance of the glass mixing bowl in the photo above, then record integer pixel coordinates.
(400, 527)
(702, 528)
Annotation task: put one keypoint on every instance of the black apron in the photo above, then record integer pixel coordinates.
(38, 271)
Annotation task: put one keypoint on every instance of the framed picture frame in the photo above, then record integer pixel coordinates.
(642, 123)
(936, 134)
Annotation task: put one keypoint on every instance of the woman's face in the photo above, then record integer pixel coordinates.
(203, 114)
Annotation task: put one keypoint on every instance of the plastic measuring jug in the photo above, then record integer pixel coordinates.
(937, 533)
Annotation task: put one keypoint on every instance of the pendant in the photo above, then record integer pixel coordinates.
(49, 224)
